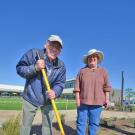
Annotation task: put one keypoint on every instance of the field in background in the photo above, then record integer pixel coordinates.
(16, 104)
(62, 104)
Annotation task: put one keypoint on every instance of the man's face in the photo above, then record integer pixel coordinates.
(52, 49)
(93, 60)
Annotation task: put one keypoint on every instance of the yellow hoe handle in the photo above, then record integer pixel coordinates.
(53, 103)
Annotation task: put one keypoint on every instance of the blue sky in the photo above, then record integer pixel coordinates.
(105, 25)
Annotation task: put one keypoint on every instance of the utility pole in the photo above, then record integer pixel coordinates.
(122, 87)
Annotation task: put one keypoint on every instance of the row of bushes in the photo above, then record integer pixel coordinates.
(119, 107)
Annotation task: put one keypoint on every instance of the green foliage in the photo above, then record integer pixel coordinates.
(113, 95)
(114, 118)
(108, 122)
(134, 122)
(118, 106)
(129, 93)
(123, 118)
(11, 127)
(132, 108)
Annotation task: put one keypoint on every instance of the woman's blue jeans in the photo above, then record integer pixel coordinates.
(90, 114)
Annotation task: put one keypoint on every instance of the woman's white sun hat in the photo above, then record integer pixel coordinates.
(93, 51)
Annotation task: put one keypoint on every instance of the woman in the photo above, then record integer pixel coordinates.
(92, 89)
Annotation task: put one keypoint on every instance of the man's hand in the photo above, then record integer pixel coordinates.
(40, 65)
(51, 94)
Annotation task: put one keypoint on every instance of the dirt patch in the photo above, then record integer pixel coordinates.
(0, 131)
(122, 127)
(118, 127)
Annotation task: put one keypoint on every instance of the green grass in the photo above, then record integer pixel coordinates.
(16, 104)
(66, 105)
(10, 103)
(11, 127)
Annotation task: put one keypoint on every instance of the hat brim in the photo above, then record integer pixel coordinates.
(100, 55)
(57, 41)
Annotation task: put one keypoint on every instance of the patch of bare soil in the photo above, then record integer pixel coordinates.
(118, 127)
(0, 131)
(69, 128)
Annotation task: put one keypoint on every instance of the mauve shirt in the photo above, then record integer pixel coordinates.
(92, 85)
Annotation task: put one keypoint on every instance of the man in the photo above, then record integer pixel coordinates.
(35, 94)
(92, 92)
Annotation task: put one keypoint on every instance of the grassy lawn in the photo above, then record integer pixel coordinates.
(10, 103)
(16, 104)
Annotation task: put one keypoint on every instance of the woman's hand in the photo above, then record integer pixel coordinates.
(77, 102)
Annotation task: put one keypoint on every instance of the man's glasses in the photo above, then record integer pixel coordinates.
(55, 45)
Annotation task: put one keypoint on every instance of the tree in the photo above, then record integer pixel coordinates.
(129, 93)
(113, 95)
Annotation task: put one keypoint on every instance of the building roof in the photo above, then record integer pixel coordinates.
(13, 88)
(16, 88)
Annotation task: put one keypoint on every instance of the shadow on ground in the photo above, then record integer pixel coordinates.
(37, 129)
(68, 129)
(119, 130)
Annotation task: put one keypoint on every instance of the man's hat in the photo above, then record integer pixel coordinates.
(55, 38)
